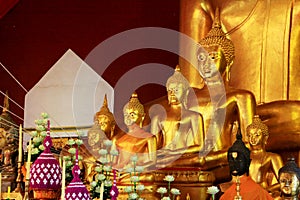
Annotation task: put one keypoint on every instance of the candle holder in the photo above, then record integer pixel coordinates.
(20, 158)
(19, 178)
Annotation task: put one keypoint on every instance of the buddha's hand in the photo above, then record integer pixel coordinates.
(202, 161)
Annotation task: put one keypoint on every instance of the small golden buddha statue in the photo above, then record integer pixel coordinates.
(262, 162)
(8, 147)
(106, 120)
(136, 141)
(289, 179)
(103, 129)
(95, 139)
(178, 130)
(94, 143)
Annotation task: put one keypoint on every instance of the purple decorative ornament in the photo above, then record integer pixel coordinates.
(45, 172)
(114, 192)
(76, 190)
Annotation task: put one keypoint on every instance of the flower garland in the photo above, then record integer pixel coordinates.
(102, 183)
(135, 190)
(171, 192)
(70, 160)
(38, 136)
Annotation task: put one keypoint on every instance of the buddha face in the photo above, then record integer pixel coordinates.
(132, 116)
(237, 164)
(289, 184)
(104, 123)
(212, 62)
(175, 93)
(255, 136)
(3, 142)
(93, 138)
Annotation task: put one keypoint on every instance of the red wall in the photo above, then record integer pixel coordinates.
(35, 34)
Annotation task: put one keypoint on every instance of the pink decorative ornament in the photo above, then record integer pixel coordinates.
(76, 189)
(45, 172)
(114, 192)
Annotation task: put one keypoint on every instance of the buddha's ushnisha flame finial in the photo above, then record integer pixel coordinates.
(216, 37)
(104, 110)
(217, 23)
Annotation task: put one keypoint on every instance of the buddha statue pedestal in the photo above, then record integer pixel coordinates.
(190, 181)
(46, 194)
(146, 179)
(147, 193)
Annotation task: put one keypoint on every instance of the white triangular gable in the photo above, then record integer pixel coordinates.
(71, 93)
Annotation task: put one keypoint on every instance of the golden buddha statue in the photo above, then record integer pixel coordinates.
(221, 105)
(262, 162)
(178, 130)
(9, 147)
(106, 120)
(103, 129)
(136, 141)
(265, 36)
(95, 139)
(289, 179)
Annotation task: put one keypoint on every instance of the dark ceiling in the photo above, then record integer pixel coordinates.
(34, 34)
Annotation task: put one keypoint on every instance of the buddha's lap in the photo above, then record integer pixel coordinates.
(283, 121)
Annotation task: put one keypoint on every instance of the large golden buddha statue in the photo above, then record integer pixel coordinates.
(220, 104)
(264, 165)
(224, 109)
(266, 40)
(266, 37)
(136, 141)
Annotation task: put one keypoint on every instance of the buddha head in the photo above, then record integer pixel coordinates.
(238, 156)
(257, 132)
(289, 179)
(219, 54)
(105, 119)
(177, 87)
(133, 111)
(95, 136)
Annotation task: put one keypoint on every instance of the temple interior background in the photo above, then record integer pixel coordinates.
(34, 35)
